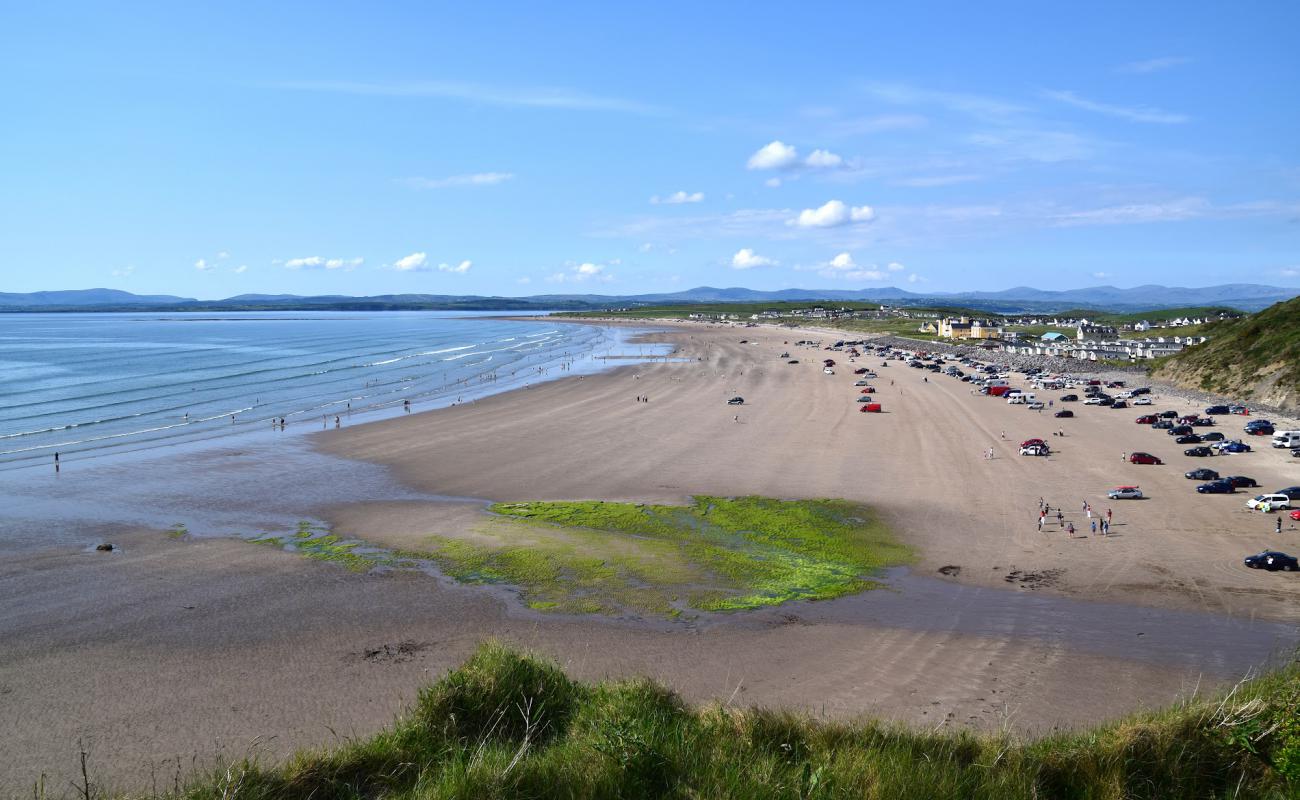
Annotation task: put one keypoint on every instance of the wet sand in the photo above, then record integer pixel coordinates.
(213, 646)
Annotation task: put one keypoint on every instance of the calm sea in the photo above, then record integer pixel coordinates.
(86, 385)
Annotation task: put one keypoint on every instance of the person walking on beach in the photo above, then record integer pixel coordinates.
(1040, 523)
(1060, 518)
(1070, 530)
(56, 461)
(336, 420)
(406, 406)
(1277, 527)
(1094, 527)
(1109, 516)
(1123, 456)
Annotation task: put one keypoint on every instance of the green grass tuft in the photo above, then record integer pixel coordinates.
(511, 726)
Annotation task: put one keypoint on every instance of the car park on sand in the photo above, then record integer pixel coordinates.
(1241, 481)
(1201, 474)
(1142, 401)
(1036, 450)
(1064, 413)
(1198, 452)
(1144, 458)
(1216, 487)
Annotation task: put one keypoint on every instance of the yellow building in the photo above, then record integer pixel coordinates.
(967, 328)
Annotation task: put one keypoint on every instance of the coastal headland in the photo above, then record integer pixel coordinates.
(177, 650)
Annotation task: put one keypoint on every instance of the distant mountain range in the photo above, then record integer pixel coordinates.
(1243, 296)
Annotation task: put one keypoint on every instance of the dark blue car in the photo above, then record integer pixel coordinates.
(1216, 487)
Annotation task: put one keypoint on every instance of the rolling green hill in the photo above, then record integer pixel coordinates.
(1255, 358)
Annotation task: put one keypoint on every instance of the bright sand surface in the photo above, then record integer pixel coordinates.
(196, 648)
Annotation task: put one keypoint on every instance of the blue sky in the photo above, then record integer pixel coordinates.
(515, 149)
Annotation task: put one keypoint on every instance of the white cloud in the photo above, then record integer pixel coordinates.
(459, 269)
(745, 258)
(894, 266)
(1151, 65)
(223, 255)
(579, 273)
(973, 104)
(914, 278)
(679, 197)
(524, 280)
(1133, 114)
(1173, 211)
(823, 159)
(474, 179)
(842, 266)
(1100, 275)
(833, 214)
(772, 183)
(415, 262)
(240, 270)
(202, 265)
(123, 272)
(320, 262)
(775, 155)
(1289, 272)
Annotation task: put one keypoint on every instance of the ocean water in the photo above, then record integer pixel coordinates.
(87, 385)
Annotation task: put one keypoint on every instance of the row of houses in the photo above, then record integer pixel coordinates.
(1104, 350)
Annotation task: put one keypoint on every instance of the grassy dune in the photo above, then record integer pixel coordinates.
(510, 726)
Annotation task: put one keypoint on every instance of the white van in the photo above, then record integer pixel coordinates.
(1021, 398)
(991, 382)
(1269, 502)
(1286, 439)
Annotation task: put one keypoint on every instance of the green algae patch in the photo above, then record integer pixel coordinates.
(178, 531)
(718, 554)
(317, 543)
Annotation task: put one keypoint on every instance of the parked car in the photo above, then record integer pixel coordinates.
(1141, 401)
(1162, 424)
(1093, 401)
(1144, 458)
(1232, 447)
(828, 370)
(1030, 442)
(1036, 450)
(866, 398)
(1292, 492)
(1069, 398)
(1203, 422)
(863, 382)
(1295, 515)
(736, 401)
(1212, 436)
(1217, 410)
(1198, 452)
(1119, 404)
(1125, 493)
(868, 390)
(1216, 487)
(1169, 415)
(860, 371)
(1064, 413)
(1201, 474)
(1190, 438)
(1036, 406)
(1269, 502)
(1241, 481)
(1179, 430)
(1272, 561)
(1260, 430)
(1146, 419)
(793, 361)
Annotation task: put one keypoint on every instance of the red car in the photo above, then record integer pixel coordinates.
(1144, 458)
(1032, 442)
(1146, 419)
(1295, 515)
(869, 390)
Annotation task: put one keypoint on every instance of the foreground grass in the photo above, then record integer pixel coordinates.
(719, 554)
(511, 726)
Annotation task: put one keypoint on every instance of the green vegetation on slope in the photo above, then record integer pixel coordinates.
(509, 726)
(1255, 358)
(719, 554)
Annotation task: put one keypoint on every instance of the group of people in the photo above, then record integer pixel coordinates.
(1099, 524)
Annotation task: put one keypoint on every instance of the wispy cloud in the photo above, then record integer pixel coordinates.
(203, 265)
(472, 179)
(1151, 65)
(240, 270)
(1133, 114)
(965, 102)
(521, 97)
(123, 272)
(929, 181)
(678, 198)
(459, 268)
(842, 266)
(1132, 213)
(581, 273)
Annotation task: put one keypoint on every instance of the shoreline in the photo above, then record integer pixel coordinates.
(257, 642)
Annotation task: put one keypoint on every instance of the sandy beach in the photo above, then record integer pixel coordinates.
(192, 649)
